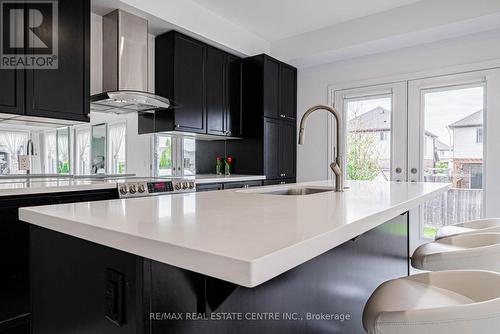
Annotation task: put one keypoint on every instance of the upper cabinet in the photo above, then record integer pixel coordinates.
(204, 80)
(61, 93)
(288, 92)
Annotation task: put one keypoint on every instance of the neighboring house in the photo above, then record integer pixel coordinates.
(377, 124)
(468, 151)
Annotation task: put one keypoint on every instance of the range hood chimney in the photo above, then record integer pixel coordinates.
(125, 68)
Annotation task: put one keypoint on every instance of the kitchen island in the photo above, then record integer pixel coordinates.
(308, 262)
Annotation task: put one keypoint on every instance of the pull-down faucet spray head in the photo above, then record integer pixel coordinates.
(335, 166)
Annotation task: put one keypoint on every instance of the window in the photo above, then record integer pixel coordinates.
(188, 156)
(479, 135)
(368, 131)
(12, 144)
(50, 152)
(163, 155)
(117, 148)
(174, 156)
(451, 118)
(63, 151)
(82, 151)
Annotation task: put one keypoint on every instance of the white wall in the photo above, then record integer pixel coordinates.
(139, 150)
(313, 84)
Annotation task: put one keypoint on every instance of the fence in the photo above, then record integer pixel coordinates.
(454, 206)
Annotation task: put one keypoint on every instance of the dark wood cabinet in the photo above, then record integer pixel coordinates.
(14, 253)
(64, 93)
(227, 185)
(233, 96)
(274, 182)
(288, 92)
(223, 93)
(215, 89)
(204, 80)
(209, 187)
(12, 91)
(61, 93)
(287, 149)
(269, 119)
(271, 148)
(271, 86)
(244, 184)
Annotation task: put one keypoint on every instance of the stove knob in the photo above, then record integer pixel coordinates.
(132, 189)
(141, 188)
(191, 185)
(184, 185)
(177, 186)
(123, 190)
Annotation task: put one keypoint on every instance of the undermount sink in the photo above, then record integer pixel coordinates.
(294, 191)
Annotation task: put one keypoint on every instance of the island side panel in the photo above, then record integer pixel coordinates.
(336, 283)
(76, 283)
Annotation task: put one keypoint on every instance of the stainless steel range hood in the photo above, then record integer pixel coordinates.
(125, 68)
(127, 101)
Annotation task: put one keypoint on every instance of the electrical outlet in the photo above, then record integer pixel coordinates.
(24, 162)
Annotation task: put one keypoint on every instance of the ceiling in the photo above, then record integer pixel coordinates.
(277, 19)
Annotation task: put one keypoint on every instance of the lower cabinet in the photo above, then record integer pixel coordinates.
(90, 288)
(209, 187)
(228, 185)
(279, 181)
(15, 313)
(248, 184)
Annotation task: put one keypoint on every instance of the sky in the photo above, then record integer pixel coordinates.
(446, 107)
(441, 108)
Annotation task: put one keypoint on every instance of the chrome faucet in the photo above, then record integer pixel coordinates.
(335, 166)
(30, 152)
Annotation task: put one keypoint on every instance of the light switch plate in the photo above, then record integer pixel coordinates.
(24, 162)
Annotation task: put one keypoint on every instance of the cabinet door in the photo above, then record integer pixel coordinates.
(14, 257)
(189, 83)
(12, 91)
(287, 150)
(209, 187)
(246, 184)
(271, 87)
(281, 181)
(64, 92)
(271, 148)
(233, 96)
(288, 92)
(215, 91)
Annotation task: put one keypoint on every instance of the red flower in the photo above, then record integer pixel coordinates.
(229, 160)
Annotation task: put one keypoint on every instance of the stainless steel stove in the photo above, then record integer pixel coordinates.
(142, 187)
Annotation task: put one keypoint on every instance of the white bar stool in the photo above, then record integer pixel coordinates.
(440, 302)
(467, 251)
(472, 226)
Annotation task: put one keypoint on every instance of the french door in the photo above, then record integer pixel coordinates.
(438, 129)
(375, 120)
(449, 142)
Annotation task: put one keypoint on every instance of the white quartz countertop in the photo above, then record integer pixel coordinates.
(13, 187)
(24, 186)
(241, 236)
(214, 178)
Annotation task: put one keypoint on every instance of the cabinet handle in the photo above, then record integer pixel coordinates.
(177, 125)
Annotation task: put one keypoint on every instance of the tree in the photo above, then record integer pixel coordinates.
(166, 156)
(362, 154)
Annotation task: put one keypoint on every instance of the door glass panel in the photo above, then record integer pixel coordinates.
(453, 152)
(163, 155)
(188, 156)
(369, 138)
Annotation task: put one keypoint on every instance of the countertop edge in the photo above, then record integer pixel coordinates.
(247, 273)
